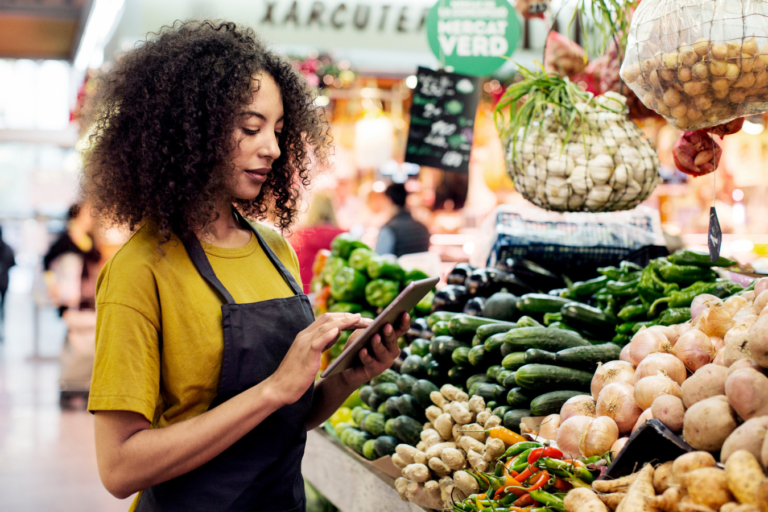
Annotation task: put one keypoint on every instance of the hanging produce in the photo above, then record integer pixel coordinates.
(563, 57)
(569, 151)
(532, 8)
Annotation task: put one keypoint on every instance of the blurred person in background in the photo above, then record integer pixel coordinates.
(7, 260)
(402, 234)
(314, 234)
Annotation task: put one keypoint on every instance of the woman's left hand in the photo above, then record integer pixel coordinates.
(379, 354)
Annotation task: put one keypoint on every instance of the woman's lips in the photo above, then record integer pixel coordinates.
(257, 175)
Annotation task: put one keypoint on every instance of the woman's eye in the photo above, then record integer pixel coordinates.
(250, 132)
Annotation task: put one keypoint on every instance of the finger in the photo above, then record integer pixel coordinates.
(344, 321)
(403, 324)
(326, 340)
(365, 357)
(379, 350)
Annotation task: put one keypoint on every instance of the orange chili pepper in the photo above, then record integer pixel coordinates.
(576, 463)
(325, 359)
(562, 485)
(525, 475)
(510, 481)
(540, 482)
(509, 464)
(506, 435)
(320, 258)
(524, 501)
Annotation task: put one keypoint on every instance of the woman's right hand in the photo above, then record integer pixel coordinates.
(299, 368)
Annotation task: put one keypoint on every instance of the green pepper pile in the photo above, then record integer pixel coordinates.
(531, 477)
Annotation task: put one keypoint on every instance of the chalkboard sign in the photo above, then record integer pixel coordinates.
(442, 120)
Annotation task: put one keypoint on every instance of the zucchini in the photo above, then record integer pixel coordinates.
(541, 303)
(421, 390)
(408, 430)
(476, 355)
(491, 392)
(494, 343)
(387, 375)
(374, 424)
(386, 390)
(505, 350)
(513, 418)
(519, 397)
(389, 427)
(391, 408)
(439, 316)
(408, 406)
(435, 371)
(434, 346)
(526, 321)
(535, 355)
(382, 408)
(463, 327)
(501, 410)
(441, 329)
(586, 358)
(364, 394)
(413, 366)
(385, 445)
(589, 319)
(546, 377)
(374, 401)
(491, 405)
(493, 371)
(460, 356)
(513, 361)
(479, 377)
(551, 340)
(503, 374)
(476, 341)
(552, 402)
(446, 346)
(486, 331)
(405, 383)
(509, 381)
(458, 374)
(561, 325)
(501, 306)
(419, 347)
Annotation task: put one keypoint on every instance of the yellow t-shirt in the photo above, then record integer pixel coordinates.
(159, 337)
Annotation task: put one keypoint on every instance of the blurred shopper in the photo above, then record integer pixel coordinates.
(7, 260)
(314, 235)
(206, 349)
(402, 234)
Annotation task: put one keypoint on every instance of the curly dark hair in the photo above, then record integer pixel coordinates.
(162, 125)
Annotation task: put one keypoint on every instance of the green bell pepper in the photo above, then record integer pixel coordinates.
(425, 305)
(338, 347)
(345, 307)
(686, 273)
(348, 285)
(359, 259)
(332, 265)
(380, 267)
(380, 292)
(414, 275)
(688, 257)
(367, 314)
(343, 245)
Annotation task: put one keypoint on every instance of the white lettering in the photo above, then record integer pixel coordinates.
(452, 158)
(464, 46)
(447, 44)
(499, 46)
(480, 46)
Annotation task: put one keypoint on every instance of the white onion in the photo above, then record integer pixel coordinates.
(648, 388)
(719, 357)
(717, 343)
(761, 285)
(714, 321)
(612, 371)
(548, 427)
(694, 349)
(702, 302)
(760, 302)
(669, 332)
(750, 295)
(617, 401)
(645, 342)
(682, 328)
(581, 405)
(624, 355)
(734, 304)
(647, 415)
(569, 435)
(667, 364)
(618, 445)
(601, 435)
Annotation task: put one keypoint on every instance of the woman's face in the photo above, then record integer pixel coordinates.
(257, 134)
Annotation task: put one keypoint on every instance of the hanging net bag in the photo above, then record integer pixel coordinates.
(699, 63)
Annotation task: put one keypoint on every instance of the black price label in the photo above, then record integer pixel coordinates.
(715, 236)
(442, 120)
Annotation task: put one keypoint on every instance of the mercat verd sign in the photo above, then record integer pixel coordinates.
(472, 36)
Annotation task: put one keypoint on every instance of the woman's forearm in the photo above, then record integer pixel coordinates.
(329, 394)
(133, 458)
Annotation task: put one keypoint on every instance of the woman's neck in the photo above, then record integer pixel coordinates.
(225, 231)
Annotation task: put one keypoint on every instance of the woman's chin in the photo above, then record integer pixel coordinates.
(247, 193)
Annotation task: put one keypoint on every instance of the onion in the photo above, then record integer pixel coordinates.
(734, 304)
(601, 435)
(612, 371)
(648, 388)
(618, 445)
(624, 356)
(702, 302)
(761, 285)
(581, 405)
(750, 295)
(719, 357)
(717, 343)
(682, 328)
(760, 302)
(617, 401)
(694, 349)
(667, 364)
(548, 427)
(569, 435)
(647, 415)
(645, 342)
(714, 321)
(669, 332)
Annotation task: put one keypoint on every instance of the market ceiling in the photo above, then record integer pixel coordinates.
(41, 29)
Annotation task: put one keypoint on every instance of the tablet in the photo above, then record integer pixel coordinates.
(403, 303)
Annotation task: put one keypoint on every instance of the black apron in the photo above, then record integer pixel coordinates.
(261, 471)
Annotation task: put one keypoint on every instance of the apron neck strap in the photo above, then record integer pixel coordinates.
(198, 257)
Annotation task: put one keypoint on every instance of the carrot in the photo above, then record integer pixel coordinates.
(639, 493)
(614, 485)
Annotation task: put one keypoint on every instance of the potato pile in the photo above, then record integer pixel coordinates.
(433, 470)
(702, 84)
(691, 483)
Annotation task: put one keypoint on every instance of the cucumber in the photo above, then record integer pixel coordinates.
(486, 331)
(535, 355)
(386, 390)
(339, 427)
(369, 449)
(476, 341)
(492, 404)
(364, 394)
(434, 346)
(501, 410)
(526, 321)
(421, 390)
(374, 401)
(551, 340)
(446, 346)
(385, 445)
(458, 374)
(561, 325)
(436, 371)
(513, 417)
(503, 374)
(509, 381)
(374, 424)
(389, 427)
(413, 366)
(408, 406)
(505, 350)
(478, 377)
(476, 355)
(551, 403)
(463, 327)
(494, 343)
(358, 413)
(492, 392)
(390, 406)
(440, 316)
(382, 408)
(441, 329)
(519, 397)
(356, 439)
(387, 375)
(513, 361)
(493, 371)
(460, 356)
(419, 347)
(540, 303)
(589, 319)
(545, 377)
(408, 430)
(586, 358)
(405, 383)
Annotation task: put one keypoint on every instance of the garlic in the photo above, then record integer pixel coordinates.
(559, 165)
(598, 196)
(557, 191)
(580, 180)
(575, 201)
(600, 169)
(621, 178)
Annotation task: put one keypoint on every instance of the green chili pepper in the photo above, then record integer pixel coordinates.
(675, 316)
(381, 267)
(584, 474)
(380, 292)
(628, 266)
(683, 298)
(577, 482)
(519, 448)
(626, 289)
(550, 318)
(630, 276)
(587, 288)
(629, 312)
(687, 257)
(726, 289)
(751, 286)
(348, 285)
(499, 469)
(343, 245)
(548, 499)
(611, 273)
(640, 325)
(648, 288)
(345, 307)
(610, 306)
(686, 273)
(620, 339)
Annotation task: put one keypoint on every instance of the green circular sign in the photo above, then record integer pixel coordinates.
(472, 36)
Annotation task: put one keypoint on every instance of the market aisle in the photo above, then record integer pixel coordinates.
(47, 456)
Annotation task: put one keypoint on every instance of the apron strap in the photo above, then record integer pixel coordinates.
(287, 276)
(198, 257)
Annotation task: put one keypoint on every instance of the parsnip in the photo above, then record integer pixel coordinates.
(691, 461)
(612, 500)
(583, 500)
(640, 492)
(669, 500)
(708, 487)
(663, 478)
(607, 486)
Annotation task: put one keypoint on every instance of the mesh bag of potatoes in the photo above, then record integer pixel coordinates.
(599, 163)
(699, 63)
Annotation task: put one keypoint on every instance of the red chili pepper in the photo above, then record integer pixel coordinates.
(562, 485)
(540, 482)
(514, 474)
(535, 455)
(552, 453)
(524, 501)
(522, 477)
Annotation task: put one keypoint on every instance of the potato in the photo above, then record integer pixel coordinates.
(691, 461)
(737, 341)
(744, 363)
(747, 390)
(669, 410)
(762, 496)
(708, 381)
(708, 487)
(749, 436)
(757, 341)
(708, 423)
(744, 476)
(663, 478)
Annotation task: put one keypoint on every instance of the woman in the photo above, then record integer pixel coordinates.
(206, 349)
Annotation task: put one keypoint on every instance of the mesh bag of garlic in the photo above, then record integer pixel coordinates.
(599, 163)
(699, 63)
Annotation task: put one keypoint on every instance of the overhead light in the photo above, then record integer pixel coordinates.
(101, 22)
(322, 101)
(411, 81)
(753, 128)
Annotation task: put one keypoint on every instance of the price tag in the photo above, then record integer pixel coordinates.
(715, 236)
